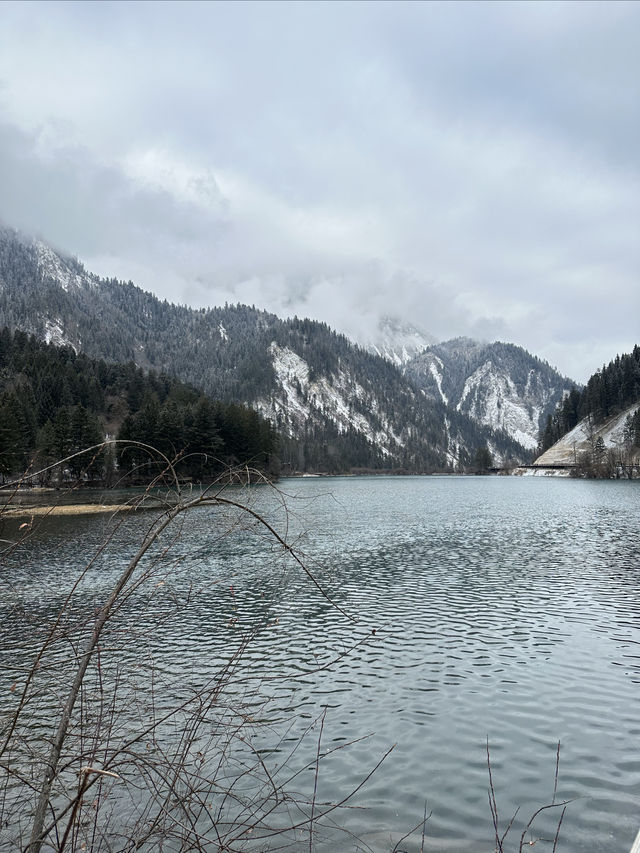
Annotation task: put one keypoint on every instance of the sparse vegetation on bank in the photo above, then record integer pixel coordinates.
(608, 392)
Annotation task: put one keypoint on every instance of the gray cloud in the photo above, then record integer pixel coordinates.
(472, 168)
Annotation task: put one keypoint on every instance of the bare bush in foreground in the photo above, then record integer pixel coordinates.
(100, 752)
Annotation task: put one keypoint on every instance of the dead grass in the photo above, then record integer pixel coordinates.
(68, 509)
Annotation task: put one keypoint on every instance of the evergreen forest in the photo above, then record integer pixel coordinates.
(55, 402)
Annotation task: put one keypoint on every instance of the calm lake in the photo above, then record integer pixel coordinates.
(478, 609)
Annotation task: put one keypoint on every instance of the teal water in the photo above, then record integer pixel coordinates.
(457, 611)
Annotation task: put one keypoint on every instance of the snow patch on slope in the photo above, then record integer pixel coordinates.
(54, 334)
(454, 448)
(397, 355)
(436, 368)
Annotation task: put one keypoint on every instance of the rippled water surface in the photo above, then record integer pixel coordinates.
(499, 609)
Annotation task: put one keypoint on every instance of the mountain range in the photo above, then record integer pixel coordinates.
(404, 402)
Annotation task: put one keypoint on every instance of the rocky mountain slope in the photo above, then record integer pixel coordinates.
(336, 405)
(497, 385)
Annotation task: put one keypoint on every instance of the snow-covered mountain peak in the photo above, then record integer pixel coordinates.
(397, 341)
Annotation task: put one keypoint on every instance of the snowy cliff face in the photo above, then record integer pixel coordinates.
(55, 268)
(301, 401)
(500, 386)
(491, 398)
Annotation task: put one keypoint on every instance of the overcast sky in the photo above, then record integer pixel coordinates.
(472, 168)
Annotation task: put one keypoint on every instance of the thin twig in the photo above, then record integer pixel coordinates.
(315, 781)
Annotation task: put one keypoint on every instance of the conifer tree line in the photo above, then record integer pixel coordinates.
(608, 392)
(54, 402)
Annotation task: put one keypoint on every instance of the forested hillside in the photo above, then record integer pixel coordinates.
(608, 392)
(336, 405)
(55, 402)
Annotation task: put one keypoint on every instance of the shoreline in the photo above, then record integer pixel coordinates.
(9, 511)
